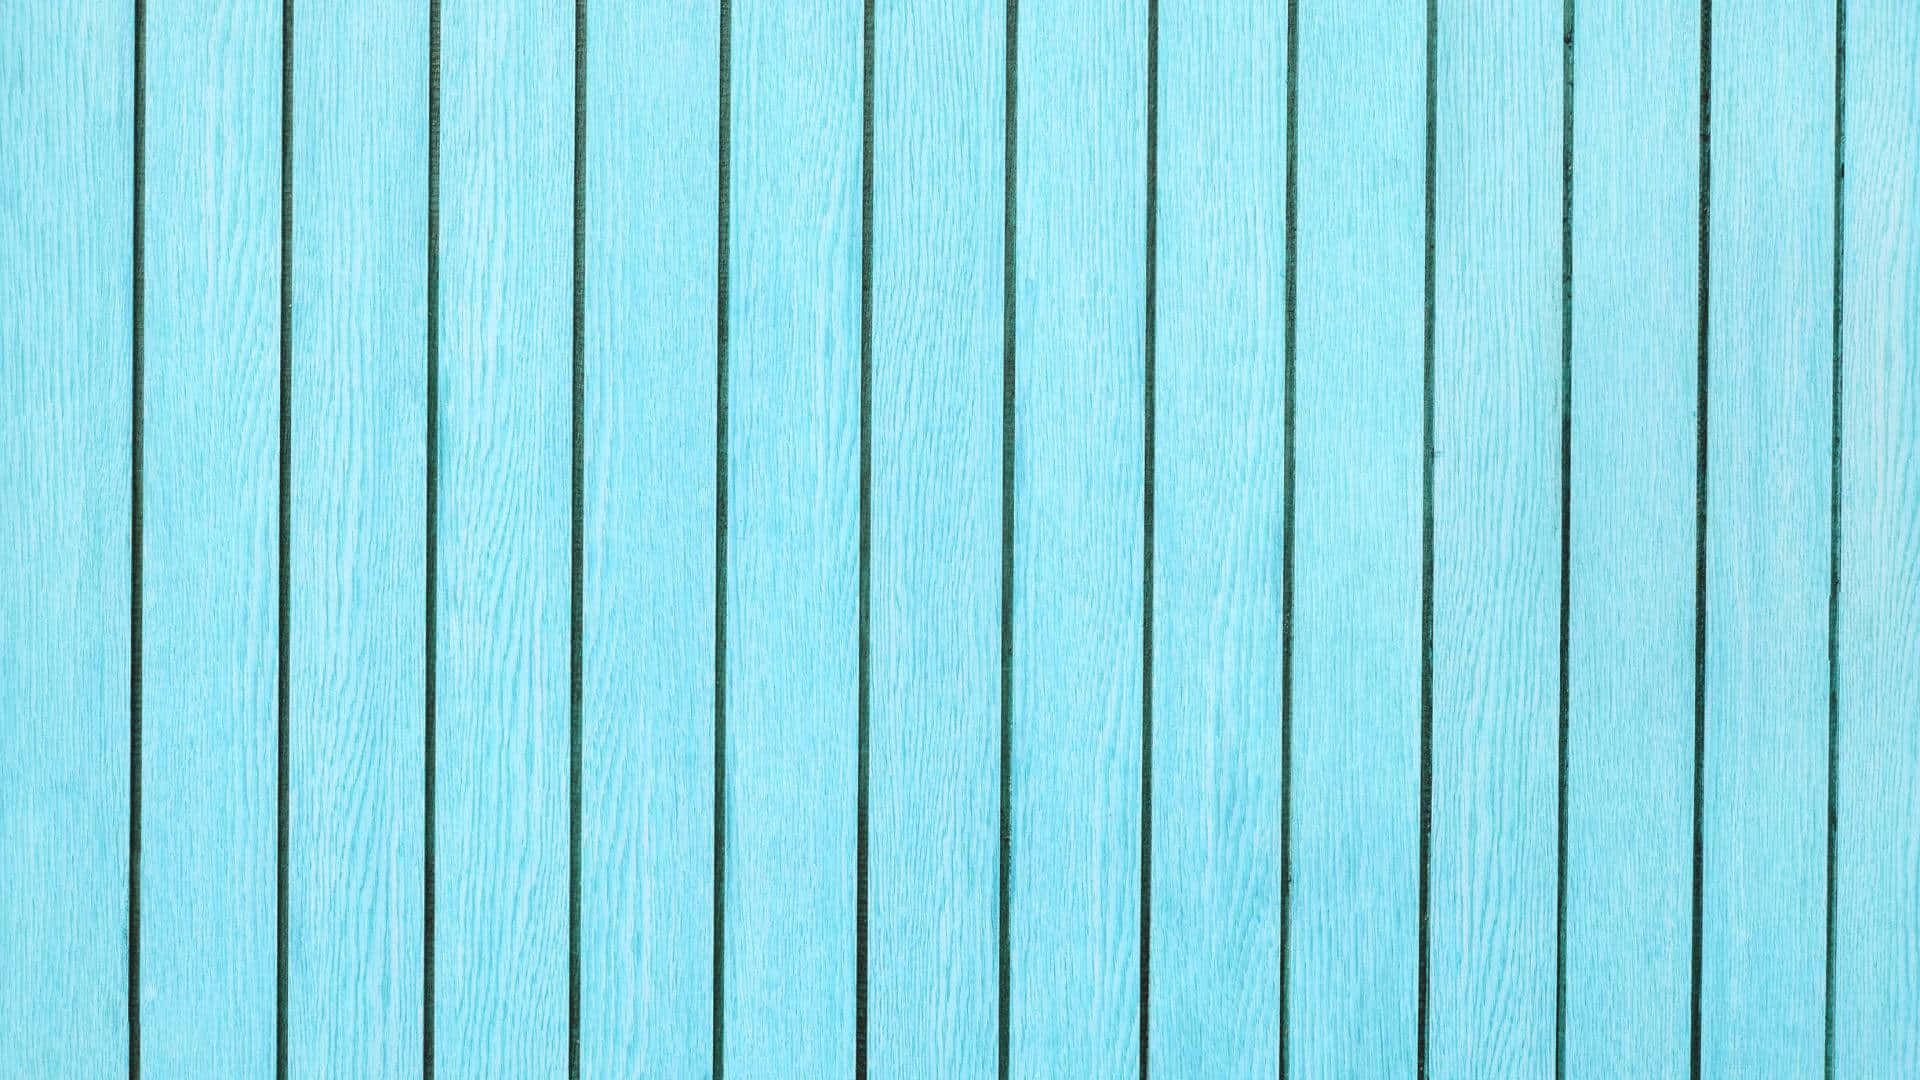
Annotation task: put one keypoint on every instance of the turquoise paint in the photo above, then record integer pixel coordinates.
(938, 253)
(1219, 388)
(210, 582)
(357, 520)
(1361, 130)
(646, 807)
(1877, 917)
(1079, 396)
(1631, 605)
(65, 388)
(1076, 456)
(1769, 445)
(793, 409)
(505, 303)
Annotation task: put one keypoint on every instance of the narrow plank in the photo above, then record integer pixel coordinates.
(793, 554)
(1629, 857)
(1763, 956)
(66, 88)
(356, 648)
(1354, 944)
(1876, 931)
(937, 444)
(1075, 929)
(1218, 509)
(646, 801)
(210, 582)
(506, 198)
(1496, 540)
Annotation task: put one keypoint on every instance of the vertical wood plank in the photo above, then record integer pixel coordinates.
(647, 825)
(1356, 626)
(1218, 490)
(1075, 931)
(210, 645)
(1629, 858)
(65, 182)
(1876, 1008)
(793, 553)
(1763, 959)
(503, 530)
(1496, 539)
(938, 264)
(358, 545)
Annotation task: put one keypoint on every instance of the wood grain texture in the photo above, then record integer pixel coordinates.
(1075, 927)
(500, 1005)
(1496, 539)
(65, 184)
(1218, 492)
(938, 256)
(1769, 463)
(356, 648)
(1876, 960)
(647, 825)
(210, 645)
(1629, 857)
(793, 548)
(1354, 959)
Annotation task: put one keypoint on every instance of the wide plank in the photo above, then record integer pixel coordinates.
(1768, 472)
(1219, 498)
(66, 91)
(356, 645)
(1077, 585)
(938, 446)
(1495, 501)
(647, 685)
(792, 527)
(1353, 954)
(1631, 485)
(210, 583)
(1876, 889)
(502, 529)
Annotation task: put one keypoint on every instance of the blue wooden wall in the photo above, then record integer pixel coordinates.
(954, 538)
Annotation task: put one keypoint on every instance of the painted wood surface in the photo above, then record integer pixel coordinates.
(209, 665)
(939, 446)
(1219, 389)
(1495, 502)
(65, 392)
(1627, 975)
(647, 769)
(1768, 468)
(793, 439)
(500, 709)
(1079, 400)
(1157, 538)
(357, 545)
(1360, 131)
(1876, 889)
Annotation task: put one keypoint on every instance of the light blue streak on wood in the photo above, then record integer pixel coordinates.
(1354, 955)
(207, 965)
(1496, 539)
(647, 784)
(1077, 564)
(1218, 510)
(66, 83)
(939, 116)
(506, 205)
(1877, 915)
(1629, 857)
(1762, 979)
(358, 540)
(793, 540)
